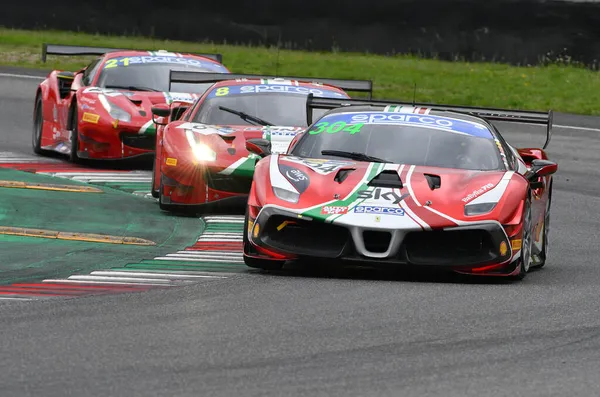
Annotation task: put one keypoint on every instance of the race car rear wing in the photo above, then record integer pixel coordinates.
(70, 50)
(490, 114)
(200, 77)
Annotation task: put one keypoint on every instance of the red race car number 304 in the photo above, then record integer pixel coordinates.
(332, 210)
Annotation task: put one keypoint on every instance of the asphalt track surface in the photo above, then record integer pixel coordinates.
(329, 332)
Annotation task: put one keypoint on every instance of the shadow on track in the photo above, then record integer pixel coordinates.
(321, 270)
(133, 164)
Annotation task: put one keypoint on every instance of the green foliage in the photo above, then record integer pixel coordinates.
(557, 85)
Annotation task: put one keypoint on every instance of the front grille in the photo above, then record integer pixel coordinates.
(376, 241)
(449, 247)
(147, 142)
(307, 238)
(228, 183)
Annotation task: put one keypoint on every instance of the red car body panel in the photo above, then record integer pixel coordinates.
(324, 200)
(100, 135)
(188, 182)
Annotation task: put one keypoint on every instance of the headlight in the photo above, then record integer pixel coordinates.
(115, 111)
(286, 195)
(201, 151)
(478, 209)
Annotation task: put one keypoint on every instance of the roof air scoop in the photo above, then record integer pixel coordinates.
(387, 178)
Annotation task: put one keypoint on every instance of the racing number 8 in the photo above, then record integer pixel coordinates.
(222, 91)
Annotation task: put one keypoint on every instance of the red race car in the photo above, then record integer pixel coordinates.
(386, 183)
(201, 154)
(104, 110)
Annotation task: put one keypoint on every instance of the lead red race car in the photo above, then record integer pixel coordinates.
(202, 161)
(390, 184)
(103, 111)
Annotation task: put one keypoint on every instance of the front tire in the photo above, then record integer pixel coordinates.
(38, 127)
(526, 242)
(256, 263)
(546, 231)
(73, 156)
(155, 192)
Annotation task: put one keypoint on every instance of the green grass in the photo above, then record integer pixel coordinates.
(561, 88)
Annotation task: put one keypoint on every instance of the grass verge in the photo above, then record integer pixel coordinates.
(561, 88)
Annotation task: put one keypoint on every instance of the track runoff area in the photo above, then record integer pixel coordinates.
(217, 253)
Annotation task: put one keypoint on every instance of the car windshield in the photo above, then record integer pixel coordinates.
(152, 76)
(277, 108)
(409, 139)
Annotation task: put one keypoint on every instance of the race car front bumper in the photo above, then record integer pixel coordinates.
(105, 142)
(203, 188)
(462, 246)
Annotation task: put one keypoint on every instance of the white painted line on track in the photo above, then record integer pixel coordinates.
(211, 252)
(208, 258)
(222, 234)
(154, 275)
(202, 256)
(66, 281)
(577, 128)
(220, 219)
(179, 272)
(187, 259)
(15, 299)
(216, 240)
(123, 279)
(21, 76)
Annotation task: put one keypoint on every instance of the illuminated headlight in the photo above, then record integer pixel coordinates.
(115, 111)
(478, 209)
(201, 151)
(286, 195)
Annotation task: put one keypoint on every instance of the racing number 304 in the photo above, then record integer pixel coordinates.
(338, 126)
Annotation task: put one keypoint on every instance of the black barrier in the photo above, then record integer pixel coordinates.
(518, 32)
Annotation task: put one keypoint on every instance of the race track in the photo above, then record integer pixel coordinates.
(335, 333)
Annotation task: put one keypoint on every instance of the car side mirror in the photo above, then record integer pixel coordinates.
(160, 114)
(541, 168)
(261, 147)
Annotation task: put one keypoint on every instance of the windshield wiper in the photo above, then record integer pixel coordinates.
(245, 116)
(131, 88)
(353, 155)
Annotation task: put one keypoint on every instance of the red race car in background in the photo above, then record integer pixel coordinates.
(201, 153)
(103, 111)
(390, 184)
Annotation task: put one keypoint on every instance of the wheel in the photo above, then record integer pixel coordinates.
(265, 264)
(73, 156)
(38, 126)
(161, 204)
(526, 242)
(155, 192)
(546, 231)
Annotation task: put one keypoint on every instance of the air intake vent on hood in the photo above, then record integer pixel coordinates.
(342, 174)
(387, 178)
(434, 181)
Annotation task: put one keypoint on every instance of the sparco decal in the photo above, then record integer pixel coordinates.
(370, 209)
(478, 192)
(247, 89)
(404, 118)
(378, 194)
